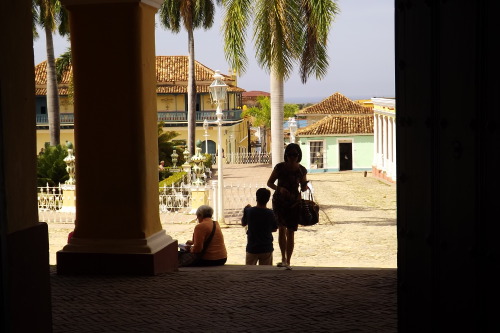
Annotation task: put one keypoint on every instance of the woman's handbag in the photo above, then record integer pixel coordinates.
(308, 211)
(190, 258)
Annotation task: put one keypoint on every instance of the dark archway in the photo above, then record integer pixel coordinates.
(345, 156)
(210, 144)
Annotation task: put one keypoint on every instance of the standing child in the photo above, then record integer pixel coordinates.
(261, 225)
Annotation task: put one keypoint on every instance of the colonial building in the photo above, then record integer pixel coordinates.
(171, 105)
(249, 98)
(384, 148)
(336, 104)
(339, 135)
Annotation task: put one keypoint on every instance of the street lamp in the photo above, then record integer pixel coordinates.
(292, 125)
(218, 90)
(205, 127)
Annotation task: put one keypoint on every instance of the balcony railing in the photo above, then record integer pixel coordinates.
(64, 118)
(181, 116)
(166, 116)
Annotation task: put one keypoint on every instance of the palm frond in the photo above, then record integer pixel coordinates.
(62, 18)
(237, 14)
(170, 15)
(62, 64)
(318, 16)
(35, 12)
(276, 35)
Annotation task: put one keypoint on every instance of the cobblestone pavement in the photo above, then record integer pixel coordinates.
(228, 299)
(360, 213)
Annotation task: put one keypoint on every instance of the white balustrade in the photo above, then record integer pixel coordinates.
(174, 202)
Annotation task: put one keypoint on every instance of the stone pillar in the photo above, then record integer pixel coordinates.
(117, 228)
(69, 198)
(25, 300)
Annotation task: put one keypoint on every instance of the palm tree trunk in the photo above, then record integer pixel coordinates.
(191, 95)
(52, 92)
(277, 111)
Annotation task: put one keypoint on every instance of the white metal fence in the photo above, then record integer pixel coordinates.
(244, 158)
(248, 158)
(236, 197)
(50, 198)
(174, 202)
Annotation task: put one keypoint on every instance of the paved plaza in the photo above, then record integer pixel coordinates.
(228, 299)
(345, 282)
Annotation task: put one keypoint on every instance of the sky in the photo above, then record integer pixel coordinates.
(360, 49)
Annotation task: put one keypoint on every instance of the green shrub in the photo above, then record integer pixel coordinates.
(164, 174)
(173, 179)
(51, 167)
(208, 161)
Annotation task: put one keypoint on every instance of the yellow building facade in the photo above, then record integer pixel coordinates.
(171, 106)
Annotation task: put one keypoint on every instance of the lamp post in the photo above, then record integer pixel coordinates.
(205, 127)
(292, 125)
(218, 91)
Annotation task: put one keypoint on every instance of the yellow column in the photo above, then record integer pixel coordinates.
(118, 228)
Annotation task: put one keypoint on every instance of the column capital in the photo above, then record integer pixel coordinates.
(153, 3)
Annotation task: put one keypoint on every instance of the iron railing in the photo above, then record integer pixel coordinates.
(174, 202)
(165, 116)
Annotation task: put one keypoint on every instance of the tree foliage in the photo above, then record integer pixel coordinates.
(261, 113)
(285, 32)
(51, 16)
(166, 146)
(51, 168)
(192, 14)
(62, 64)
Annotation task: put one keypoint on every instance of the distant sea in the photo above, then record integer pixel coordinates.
(314, 100)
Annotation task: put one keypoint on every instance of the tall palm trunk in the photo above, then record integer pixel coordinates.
(52, 92)
(191, 95)
(277, 112)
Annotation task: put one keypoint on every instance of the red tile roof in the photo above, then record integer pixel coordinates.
(255, 93)
(335, 104)
(331, 125)
(171, 76)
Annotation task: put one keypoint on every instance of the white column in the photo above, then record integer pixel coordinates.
(385, 144)
(390, 152)
(380, 163)
(375, 140)
(394, 151)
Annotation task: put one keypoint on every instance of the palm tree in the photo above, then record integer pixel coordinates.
(285, 32)
(52, 15)
(193, 14)
(63, 65)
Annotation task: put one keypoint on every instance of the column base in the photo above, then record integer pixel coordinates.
(28, 277)
(86, 262)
